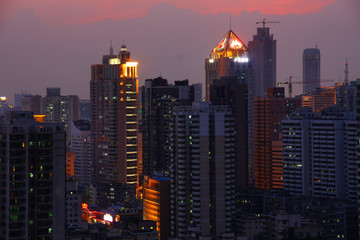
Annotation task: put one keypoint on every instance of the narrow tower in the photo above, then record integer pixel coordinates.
(114, 97)
(262, 51)
(311, 69)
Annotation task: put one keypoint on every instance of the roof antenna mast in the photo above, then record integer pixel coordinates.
(230, 22)
(111, 48)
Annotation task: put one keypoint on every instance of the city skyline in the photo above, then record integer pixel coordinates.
(70, 49)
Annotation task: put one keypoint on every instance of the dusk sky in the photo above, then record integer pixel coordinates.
(52, 43)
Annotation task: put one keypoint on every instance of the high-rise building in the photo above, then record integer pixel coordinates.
(234, 92)
(357, 92)
(311, 69)
(269, 112)
(158, 100)
(81, 146)
(114, 115)
(61, 109)
(230, 59)
(32, 182)
(156, 203)
(320, 154)
(202, 170)
(262, 52)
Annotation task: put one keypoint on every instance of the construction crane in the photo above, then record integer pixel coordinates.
(264, 22)
(290, 83)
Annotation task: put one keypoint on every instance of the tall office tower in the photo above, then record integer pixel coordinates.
(32, 182)
(114, 115)
(158, 100)
(85, 107)
(262, 52)
(81, 146)
(202, 170)
(311, 69)
(61, 109)
(320, 154)
(156, 205)
(233, 92)
(358, 146)
(230, 59)
(269, 112)
(320, 98)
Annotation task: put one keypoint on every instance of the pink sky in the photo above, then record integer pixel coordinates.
(80, 12)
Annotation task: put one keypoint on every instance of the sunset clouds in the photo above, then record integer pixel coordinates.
(80, 12)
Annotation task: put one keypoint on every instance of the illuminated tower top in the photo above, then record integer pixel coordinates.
(228, 58)
(230, 46)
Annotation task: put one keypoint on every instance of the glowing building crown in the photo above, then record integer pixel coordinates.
(230, 46)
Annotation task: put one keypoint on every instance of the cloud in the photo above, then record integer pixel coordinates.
(81, 12)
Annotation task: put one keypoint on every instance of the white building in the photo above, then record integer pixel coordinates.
(81, 145)
(319, 154)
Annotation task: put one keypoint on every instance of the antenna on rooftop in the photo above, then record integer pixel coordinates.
(346, 72)
(230, 22)
(111, 48)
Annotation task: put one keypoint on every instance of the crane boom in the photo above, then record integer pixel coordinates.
(264, 22)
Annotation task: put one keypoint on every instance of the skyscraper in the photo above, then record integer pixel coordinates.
(229, 58)
(311, 69)
(114, 99)
(234, 92)
(158, 101)
(229, 73)
(262, 52)
(202, 170)
(320, 154)
(60, 109)
(32, 182)
(269, 112)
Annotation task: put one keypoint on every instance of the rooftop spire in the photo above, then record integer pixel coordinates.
(230, 22)
(123, 46)
(111, 48)
(346, 80)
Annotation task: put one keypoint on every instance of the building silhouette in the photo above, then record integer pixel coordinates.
(311, 69)
(158, 101)
(262, 53)
(320, 154)
(202, 170)
(269, 112)
(229, 75)
(233, 92)
(32, 185)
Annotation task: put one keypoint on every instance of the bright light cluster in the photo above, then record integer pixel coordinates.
(241, 59)
(211, 60)
(114, 61)
(108, 217)
(235, 44)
